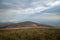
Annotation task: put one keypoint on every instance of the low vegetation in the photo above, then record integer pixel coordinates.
(30, 34)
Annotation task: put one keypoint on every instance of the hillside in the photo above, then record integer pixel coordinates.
(26, 24)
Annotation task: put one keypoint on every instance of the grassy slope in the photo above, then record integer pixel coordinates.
(30, 34)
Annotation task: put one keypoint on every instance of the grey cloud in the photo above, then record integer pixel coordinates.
(14, 3)
(18, 3)
(55, 10)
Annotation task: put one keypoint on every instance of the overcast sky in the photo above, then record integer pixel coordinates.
(18, 10)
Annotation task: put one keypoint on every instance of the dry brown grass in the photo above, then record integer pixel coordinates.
(30, 34)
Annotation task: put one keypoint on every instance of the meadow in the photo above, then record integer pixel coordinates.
(30, 34)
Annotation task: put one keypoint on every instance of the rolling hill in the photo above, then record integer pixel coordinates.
(26, 24)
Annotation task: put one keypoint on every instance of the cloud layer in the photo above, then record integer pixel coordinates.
(23, 9)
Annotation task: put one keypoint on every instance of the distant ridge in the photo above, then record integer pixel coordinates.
(26, 24)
